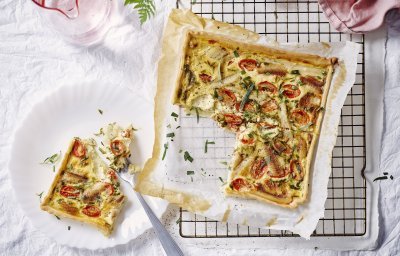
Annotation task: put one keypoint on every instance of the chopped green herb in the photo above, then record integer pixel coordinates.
(101, 132)
(102, 151)
(324, 73)
(221, 180)
(178, 220)
(246, 96)
(294, 187)
(206, 145)
(380, 178)
(178, 127)
(247, 79)
(54, 168)
(385, 173)
(58, 218)
(174, 114)
(165, 150)
(189, 172)
(69, 227)
(224, 162)
(52, 159)
(40, 195)
(100, 111)
(187, 157)
(391, 177)
(243, 72)
(215, 93)
(295, 72)
(197, 114)
(170, 135)
(180, 151)
(169, 126)
(236, 53)
(102, 143)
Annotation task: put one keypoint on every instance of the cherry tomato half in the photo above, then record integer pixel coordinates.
(69, 191)
(248, 64)
(205, 78)
(78, 149)
(117, 147)
(91, 211)
(291, 91)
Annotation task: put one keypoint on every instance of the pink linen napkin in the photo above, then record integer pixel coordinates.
(357, 16)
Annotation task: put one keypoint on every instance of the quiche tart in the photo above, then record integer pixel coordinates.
(273, 100)
(85, 188)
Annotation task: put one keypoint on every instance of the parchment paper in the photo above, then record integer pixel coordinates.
(196, 186)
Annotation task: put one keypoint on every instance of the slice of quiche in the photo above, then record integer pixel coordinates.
(85, 188)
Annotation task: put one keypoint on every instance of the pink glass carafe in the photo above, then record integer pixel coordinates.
(78, 21)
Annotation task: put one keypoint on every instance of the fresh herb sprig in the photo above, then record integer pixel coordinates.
(52, 159)
(145, 8)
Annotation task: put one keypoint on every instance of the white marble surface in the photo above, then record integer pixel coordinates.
(34, 61)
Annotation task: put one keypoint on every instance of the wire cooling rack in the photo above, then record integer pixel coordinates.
(299, 21)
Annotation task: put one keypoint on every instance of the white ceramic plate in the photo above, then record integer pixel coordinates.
(48, 128)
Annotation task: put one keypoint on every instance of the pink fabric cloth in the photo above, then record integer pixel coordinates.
(357, 16)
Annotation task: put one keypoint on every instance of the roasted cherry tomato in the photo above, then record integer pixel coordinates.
(233, 119)
(300, 117)
(91, 211)
(117, 147)
(228, 97)
(311, 81)
(271, 185)
(267, 87)
(291, 91)
(258, 168)
(269, 106)
(79, 149)
(205, 78)
(112, 175)
(239, 183)
(248, 64)
(249, 106)
(247, 141)
(109, 188)
(69, 191)
(310, 100)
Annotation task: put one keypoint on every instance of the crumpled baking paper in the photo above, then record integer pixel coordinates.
(196, 185)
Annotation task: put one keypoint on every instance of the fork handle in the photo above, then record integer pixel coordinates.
(169, 245)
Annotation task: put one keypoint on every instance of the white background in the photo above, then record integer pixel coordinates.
(34, 61)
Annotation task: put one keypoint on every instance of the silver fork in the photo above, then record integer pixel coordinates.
(169, 245)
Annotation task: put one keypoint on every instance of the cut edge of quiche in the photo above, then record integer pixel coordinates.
(295, 95)
(85, 189)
